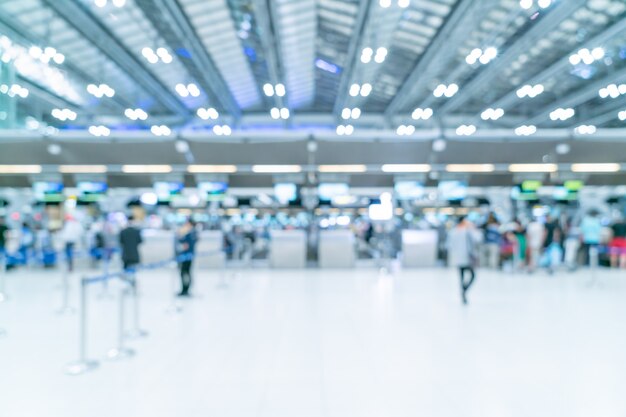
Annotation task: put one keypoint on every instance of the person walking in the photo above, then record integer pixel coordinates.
(4, 234)
(493, 240)
(535, 236)
(462, 244)
(70, 235)
(130, 239)
(185, 250)
(591, 230)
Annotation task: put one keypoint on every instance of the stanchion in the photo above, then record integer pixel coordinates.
(65, 289)
(120, 351)
(104, 293)
(175, 306)
(136, 332)
(83, 364)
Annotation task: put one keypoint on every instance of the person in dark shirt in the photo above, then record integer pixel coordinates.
(185, 249)
(3, 237)
(130, 239)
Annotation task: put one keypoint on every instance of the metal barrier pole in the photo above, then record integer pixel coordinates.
(175, 306)
(83, 364)
(105, 270)
(136, 332)
(120, 351)
(65, 288)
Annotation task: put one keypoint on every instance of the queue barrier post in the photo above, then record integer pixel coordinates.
(121, 351)
(136, 332)
(83, 364)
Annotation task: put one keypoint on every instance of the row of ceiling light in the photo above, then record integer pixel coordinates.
(354, 168)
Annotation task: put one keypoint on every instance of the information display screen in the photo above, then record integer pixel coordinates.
(166, 190)
(452, 190)
(48, 192)
(213, 190)
(91, 191)
(526, 191)
(409, 190)
(285, 192)
(328, 191)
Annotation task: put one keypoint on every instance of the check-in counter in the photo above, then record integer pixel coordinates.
(419, 248)
(336, 249)
(287, 249)
(209, 249)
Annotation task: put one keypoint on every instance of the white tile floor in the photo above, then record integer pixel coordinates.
(328, 344)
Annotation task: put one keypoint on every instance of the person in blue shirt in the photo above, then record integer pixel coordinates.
(591, 230)
(186, 239)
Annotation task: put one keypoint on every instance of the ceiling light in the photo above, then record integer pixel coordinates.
(562, 148)
(342, 168)
(526, 130)
(366, 89)
(182, 90)
(531, 91)
(275, 113)
(280, 90)
(276, 169)
(100, 3)
(354, 90)
(99, 130)
(160, 130)
(83, 169)
(562, 114)
(356, 113)
(385, 3)
(193, 90)
(181, 146)
(222, 130)
(422, 114)
(345, 130)
(404, 3)
(54, 149)
(349, 130)
(622, 115)
(100, 90)
(585, 129)
(284, 113)
(492, 114)
(470, 168)
(439, 145)
(595, 167)
(400, 168)
(119, 3)
(544, 4)
(526, 4)
(211, 169)
(268, 89)
(146, 169)
(533, 168)
(20, 169)
(466, 130)
(345, 113)
(446, 90)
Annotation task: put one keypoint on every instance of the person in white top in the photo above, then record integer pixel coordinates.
(462, 244)
(71, 234)
(535, 233)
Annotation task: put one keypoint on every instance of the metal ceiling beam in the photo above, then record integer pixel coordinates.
(451, 32)
(77, 15)
(266, 15)
(357, 33)
(603, 114)
(562, 65)
(541, 28)
(174, 26)
(578, 97)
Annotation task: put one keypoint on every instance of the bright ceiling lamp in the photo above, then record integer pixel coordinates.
(533, 168)
(405, 168)
(146, 169)
(342, 168)
(82, 169)
(211, 169)
(20, 169)
(276, 169)
(470, 168)
(595, 167)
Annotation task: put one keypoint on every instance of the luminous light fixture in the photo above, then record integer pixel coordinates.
(20, 169)
(276, 169)
(466, 130)
(153, 57)
(612, 90)
(585, 129)
(116, 3)
(83, 169)
(533, 168)
(46, 54)
(63, 114)
(422, 114)
(277, 113)
(136, 114)
(531, 91)
(342, 168)
(446, 90)
(99, 130)
(207, 113)
(364, 90)
(405, 130)
(400, 168)
(100, 91)
(622, 115)
(385, 3)
(381, 54)
(595, 167)
(212, 169)
(528, 4)
(492, 114)
(562, 114)
(346, 130)
(160, 130)
(146, 169)
(187, 90)
(222, 130)
(348, 113)
(482, 56)
(470, 168)
(404, 3)
(586, 56)
(526, 130)
(269, 90)
(14, 90)
(366, 55)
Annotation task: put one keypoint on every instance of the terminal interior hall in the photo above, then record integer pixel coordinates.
(312, 208)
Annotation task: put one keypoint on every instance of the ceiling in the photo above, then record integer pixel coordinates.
(386, 58)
